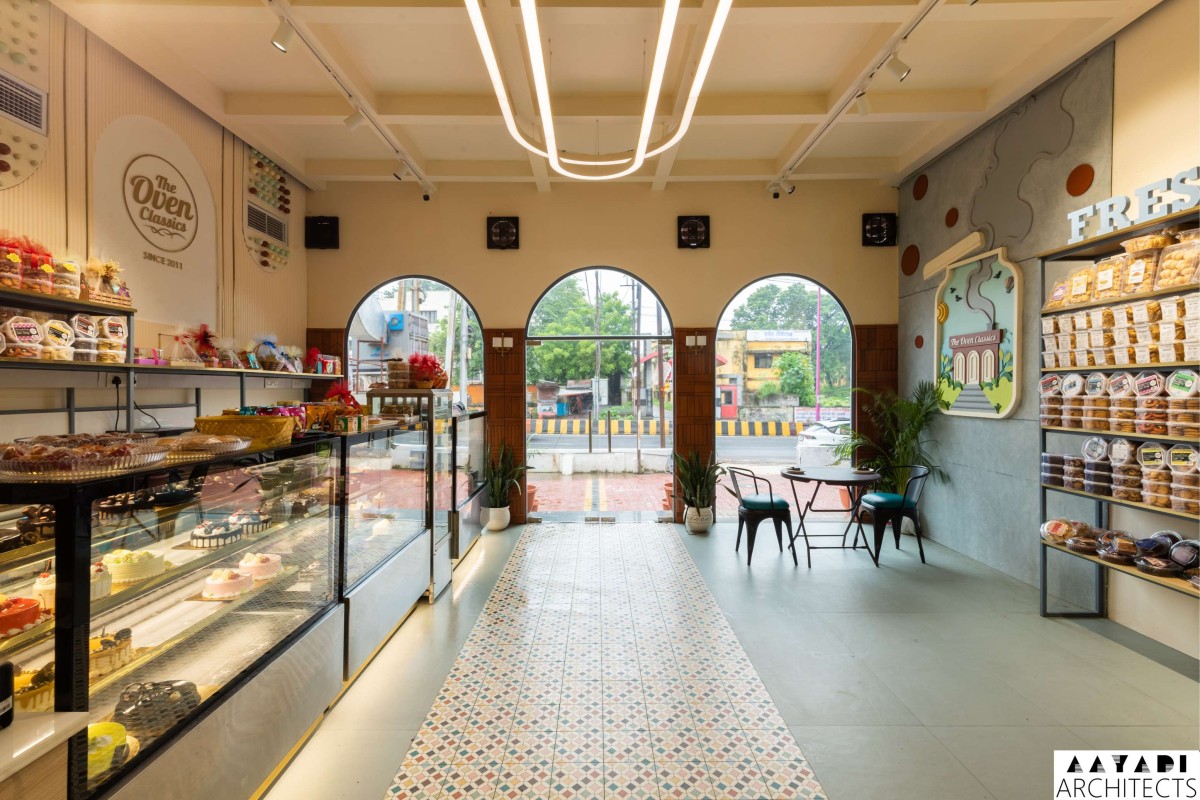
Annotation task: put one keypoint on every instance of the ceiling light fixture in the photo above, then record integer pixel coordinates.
(897, 67)
(862, 103)
(355, 120)
(643, 151)
(788, 187)
(282, 39)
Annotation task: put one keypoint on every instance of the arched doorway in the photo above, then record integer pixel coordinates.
(599, 407)
(784, 377)
(413, 315)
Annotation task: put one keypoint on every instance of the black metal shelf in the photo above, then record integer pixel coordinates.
(51, 302)
(1141, 437)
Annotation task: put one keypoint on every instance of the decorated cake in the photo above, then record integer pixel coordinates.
(101, 581)
(131, 566)
(109, 652)
(107, 748)
(18, 614)
(215, 534)
(148, 710)
(224, 584)
(43, 589)
(33, 690)
(260, 566)
(37, 522)
(252, 521)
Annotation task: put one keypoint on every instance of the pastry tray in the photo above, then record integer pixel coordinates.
(74, 470)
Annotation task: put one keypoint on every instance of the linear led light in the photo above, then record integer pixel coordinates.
(533, 38)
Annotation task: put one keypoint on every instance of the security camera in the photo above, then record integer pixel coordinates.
(774, 190)
(425, 197)
(787, 187)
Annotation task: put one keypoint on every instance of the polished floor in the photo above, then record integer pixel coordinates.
(909, 681)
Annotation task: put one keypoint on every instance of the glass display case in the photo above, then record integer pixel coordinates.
(385, 496)
(27, 603)
(169, 584)
(470, 449)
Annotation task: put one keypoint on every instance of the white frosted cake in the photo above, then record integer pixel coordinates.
(260, 566)
(227, 583)
(131, 566)
(44, 587)
(101, 581)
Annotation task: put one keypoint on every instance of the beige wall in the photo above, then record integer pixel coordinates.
(1156, 132)
(387, 231)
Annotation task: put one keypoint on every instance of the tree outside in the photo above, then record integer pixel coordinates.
(566, 310)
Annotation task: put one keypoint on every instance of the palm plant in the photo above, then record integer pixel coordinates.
(903, 436)
(698, 479)
(501, 475)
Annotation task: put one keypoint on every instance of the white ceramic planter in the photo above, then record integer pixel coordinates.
(495, 519)
(697, 520)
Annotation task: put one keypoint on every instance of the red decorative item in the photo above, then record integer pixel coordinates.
(204, 340)
(27, 245)
(340, 393)
(424, 367)
(310, 359)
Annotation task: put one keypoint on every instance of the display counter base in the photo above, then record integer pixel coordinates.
(378, 604)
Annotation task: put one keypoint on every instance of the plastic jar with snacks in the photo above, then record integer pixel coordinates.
(1151, 416)
(1152, 456)
(57, 333)
(1073, 466)
(1183, 383)
(37, 273)
(10, 269)
(52, 352)
(1058, 295)
(1119, 548)
(1149, 384)
(1081, 285)
(1094, 451)
(1183, 409)
(1097, 424)
(22, 350)
(66, 280)
(84, 326)
(86, 353)
(1182, 460)
(1140, 271)
(1185, 498)
(1110, 272)
(1171, 353)
(1178, 264)
(110, 356)
(1052, 476)
(1156, 494)
(115, 328)
(21, 330)
(1059, 530)
(1184, 430)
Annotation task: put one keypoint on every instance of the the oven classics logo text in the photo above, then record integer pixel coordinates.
(1080, 774)
(160, 203)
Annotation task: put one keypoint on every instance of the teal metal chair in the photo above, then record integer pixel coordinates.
(890, 507)
(754, 508)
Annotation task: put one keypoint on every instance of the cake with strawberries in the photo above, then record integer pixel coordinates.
(225, 584)
(18, 614)
(260, 566)
(101, 580)
(44, 586)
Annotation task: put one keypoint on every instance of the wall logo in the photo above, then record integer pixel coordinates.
(160, 203)
(1088, 774)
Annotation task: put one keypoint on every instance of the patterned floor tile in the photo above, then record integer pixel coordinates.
(623, 746)
(529, 747)
(470, 782)
(577, 782)
(524, 781)
(419, 784)
(631, 782)
(791, 780)
(681, 780)
(738, 780)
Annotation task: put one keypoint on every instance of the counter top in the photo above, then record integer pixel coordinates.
(32, 736)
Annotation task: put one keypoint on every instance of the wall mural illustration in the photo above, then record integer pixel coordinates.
(978, 315)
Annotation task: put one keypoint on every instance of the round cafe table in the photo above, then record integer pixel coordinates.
(858, 483)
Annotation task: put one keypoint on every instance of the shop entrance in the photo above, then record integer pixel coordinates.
(599, 405)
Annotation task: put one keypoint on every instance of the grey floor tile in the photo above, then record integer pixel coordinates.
(1141, 738)
(1010, 762)
(343, 765)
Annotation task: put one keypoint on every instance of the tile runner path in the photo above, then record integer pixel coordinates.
(601, 667)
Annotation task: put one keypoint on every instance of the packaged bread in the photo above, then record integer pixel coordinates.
(1172, 308)
(1099, 337)
(1049, 326)
(1140, 272)
(1145, 311)
(1170, 353)
(1082, 285)
(1177, 265)
(1151, 241)
(1058, 295)
(1081, 320)
(1145, 354)
(1109, 275)
(1123, 356)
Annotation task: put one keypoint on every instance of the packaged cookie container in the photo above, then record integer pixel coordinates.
(1149, 384)
(1096, 385)
(10, 269)
(1172, 308)
(1109, 274)
(1050, 420)
(1059, 530)
(1101, 318)
(37, 273)
(1144, 333)
(110, 356)
(1094, 449)
(1120, 384)
(1156, 494)
(1102, 488)
(1177, 265)
(1050, 385)
(1133, 495)
(57, 333)
(21, 330)
(1054, 460)
(1151, 241)
(1140, 271)
(1052, 477)
(1081, 285)
(1057, 298)
(1169, 353)
(1083, 358)
(56, 353)
(1128, 481)
(1152, 456)
(84, 326)
(86, 353)
(1184, 430)
(1188, 503)
(1145, 311)
(22, 350)
(1122, 453)
(1081, 321)
(1182, 459)
(1073, 385)
(114, 328)
(1066, 323)
(1097, 424)
(66, 280)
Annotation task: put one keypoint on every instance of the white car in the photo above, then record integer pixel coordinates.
(815, 444)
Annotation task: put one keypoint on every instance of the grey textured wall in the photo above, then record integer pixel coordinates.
(1008, 179)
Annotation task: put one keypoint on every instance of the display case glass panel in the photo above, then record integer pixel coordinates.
(196, 574)
(386, 490)
(469, 451)
(27, 603)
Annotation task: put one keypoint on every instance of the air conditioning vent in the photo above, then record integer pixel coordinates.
(264, 222)
(22, 103)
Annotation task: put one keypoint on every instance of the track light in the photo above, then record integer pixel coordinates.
(862, 103)
(774, 189)
(897, 67)
(355, 120)
(788, 187)
(283, 36)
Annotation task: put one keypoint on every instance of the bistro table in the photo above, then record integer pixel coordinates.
(857, 483)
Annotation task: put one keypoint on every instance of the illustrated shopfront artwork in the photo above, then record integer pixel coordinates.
(978, 316)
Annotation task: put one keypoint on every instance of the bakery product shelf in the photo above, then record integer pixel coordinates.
(1116, 301)
(1100, 246)
(1170, 512)
(50, 302)
(1181, 585)
(1124, 367)
(161, 369)
(1140, 437)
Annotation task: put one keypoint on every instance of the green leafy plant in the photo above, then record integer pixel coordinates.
(903, 434)
(501, 475)
(796, 377)
(698, 479)
(768, 389)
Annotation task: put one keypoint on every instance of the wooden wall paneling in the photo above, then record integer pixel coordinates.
(876, 366)
(504, 399)
(695, 407)
(331, 342)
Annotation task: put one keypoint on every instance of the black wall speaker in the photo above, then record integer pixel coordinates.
(693, 232)
(321, 233)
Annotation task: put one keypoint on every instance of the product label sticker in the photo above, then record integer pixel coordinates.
(1049, 385)
(1148, 384)
(1141, 355)
(1136, 273)
(58, 333)
(1104, 279)
(1118, 451)
(1079, 285)
(1140, 311)
(1059, 292)
(1082, 320)
(84, 325)
(1097, 384)
(25, 330)
(1120, 384)
(1182, 458)
(1097, 317)
(1151, 455)
(1072, 384)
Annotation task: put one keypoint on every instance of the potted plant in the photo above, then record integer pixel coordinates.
(500, 475)
(423, 368)
(903, 435)
(698, 485)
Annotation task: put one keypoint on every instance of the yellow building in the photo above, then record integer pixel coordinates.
(749, 357)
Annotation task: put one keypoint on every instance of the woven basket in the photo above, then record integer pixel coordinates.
(261, 431)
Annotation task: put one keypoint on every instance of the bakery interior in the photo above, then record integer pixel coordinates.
(308, 484)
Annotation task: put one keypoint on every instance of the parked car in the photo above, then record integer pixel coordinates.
(815, 444)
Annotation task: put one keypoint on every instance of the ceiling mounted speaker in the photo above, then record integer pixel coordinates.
(694, 232)
(503, 233)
